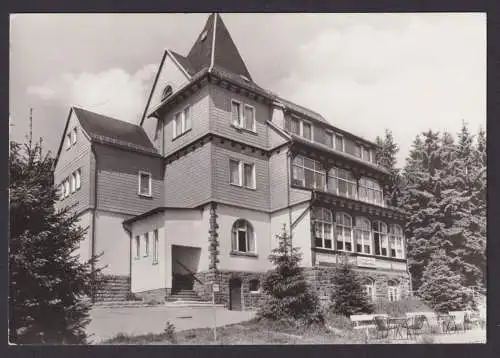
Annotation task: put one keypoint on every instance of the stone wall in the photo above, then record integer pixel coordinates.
(157, 295)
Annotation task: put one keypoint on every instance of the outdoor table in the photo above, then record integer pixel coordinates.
(398, 324)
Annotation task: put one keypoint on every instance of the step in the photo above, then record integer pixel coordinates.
(191, 304)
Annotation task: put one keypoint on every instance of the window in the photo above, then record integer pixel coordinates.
(392, 291)
(357, 151)
(236, 112)
(249, 118)
(343, 230)
(369, 285)
(339, 142)
(350, 147)
(370, 191)
(380, 238)
(362, 234)
(323, 228)
(243, 239)
(146, 244)
(366, 154)
(182, 122)
(68, 141)
(73, 136)
(341, 182)
(66, 188)
(73, 182)
(306, 130)
(295, 125)
(137, 247)
(155, 246)
(167, 91)
(254, 286)
(396, 241)
(78, 174)
(308, 173)
(329, 139)
(144, 184)
(242, 174)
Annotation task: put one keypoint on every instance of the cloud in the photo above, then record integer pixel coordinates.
(113, 92)
(429, 72)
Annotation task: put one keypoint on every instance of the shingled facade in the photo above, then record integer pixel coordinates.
(195, 192)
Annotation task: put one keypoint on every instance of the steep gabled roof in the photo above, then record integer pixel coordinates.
(215, 47)
(184, 62)
(113, 131)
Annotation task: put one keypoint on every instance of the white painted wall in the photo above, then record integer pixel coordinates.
(301, 234)
(145, 274)
(84, 250)
(186, 227)
(113, 242)
(260, 221)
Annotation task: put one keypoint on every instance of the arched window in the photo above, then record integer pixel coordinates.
(243, 239)
(392, 291)
(370, 191)
(396, 241)
(362, 235)
(341, 182)
(380, 238)
(167, 91)
(343, 230)
(369, 286)
(254, 286)
(323, 228)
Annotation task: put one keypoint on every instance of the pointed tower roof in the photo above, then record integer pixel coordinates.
(214, 47)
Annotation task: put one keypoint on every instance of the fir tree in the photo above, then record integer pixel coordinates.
(48, 283)
(348, 296)
(442, 287)
(386, 157)
(287, 294)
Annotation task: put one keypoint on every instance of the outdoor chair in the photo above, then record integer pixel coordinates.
(415, 325)
(382, 326)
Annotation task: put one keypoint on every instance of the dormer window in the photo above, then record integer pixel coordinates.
(301, 127)
(167, 91)
(73, 136)
(203, 35)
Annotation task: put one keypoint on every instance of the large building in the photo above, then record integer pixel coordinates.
(196, 191)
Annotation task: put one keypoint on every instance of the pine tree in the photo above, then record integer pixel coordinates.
(48, 283)
(442, 287)
(287, 294)
(348, 296)
(386, 157)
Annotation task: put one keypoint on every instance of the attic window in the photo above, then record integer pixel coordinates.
(167, 91)
(203, 35)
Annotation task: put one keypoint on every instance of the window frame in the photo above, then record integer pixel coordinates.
(320, 221)
(182, 118)
(338, 135)
(78, 175)
(150, 184)
(343, 229)
(350, 184)
(156, 242)
(249, 235)
(303, 168)
(73, 136)
(370, 186)
(73, 182)
(382, 235)
(311, 126)
(68, 141)
(369, 286)
(250, 286)
(393, 292)
(398, 240)
(137, 247)
(237, 123)
(330, 134)
(241, 174)
(244, 119)
(146, 244)
(66, 187)
(359, 228)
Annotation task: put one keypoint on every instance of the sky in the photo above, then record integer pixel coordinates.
(363, 72)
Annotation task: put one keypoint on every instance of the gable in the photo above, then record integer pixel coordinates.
(67, 155)
(170, 73)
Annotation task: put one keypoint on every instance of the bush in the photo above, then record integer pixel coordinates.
(348, 295)
(338, 321)
(287, 293)
(170, 332)
(402, 307)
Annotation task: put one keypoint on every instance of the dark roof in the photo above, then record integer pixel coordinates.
(184, 62)
(113, 131)
(221, 46)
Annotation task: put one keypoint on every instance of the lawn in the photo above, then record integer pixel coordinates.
(249, 332)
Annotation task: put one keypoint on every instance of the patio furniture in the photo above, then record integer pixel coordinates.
(383, 326)
(447, 323)
(398, 325)
(415, 325)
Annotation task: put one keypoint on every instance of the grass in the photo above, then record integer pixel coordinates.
(249, 332)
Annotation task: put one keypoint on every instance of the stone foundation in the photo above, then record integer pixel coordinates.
(157, 295)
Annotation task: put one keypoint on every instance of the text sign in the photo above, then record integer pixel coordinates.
(366, 261)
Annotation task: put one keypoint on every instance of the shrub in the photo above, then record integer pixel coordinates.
(338, 321)
(348, 295)
(170, 332)
(400, 308)
(287, 293)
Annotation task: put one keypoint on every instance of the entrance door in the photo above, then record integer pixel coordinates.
(235, 294)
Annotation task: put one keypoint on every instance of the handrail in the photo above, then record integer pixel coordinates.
(189, 271)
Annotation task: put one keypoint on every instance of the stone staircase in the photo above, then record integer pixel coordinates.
(184, 295)
(114, 289)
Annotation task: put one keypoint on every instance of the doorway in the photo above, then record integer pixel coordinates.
(235, 294)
